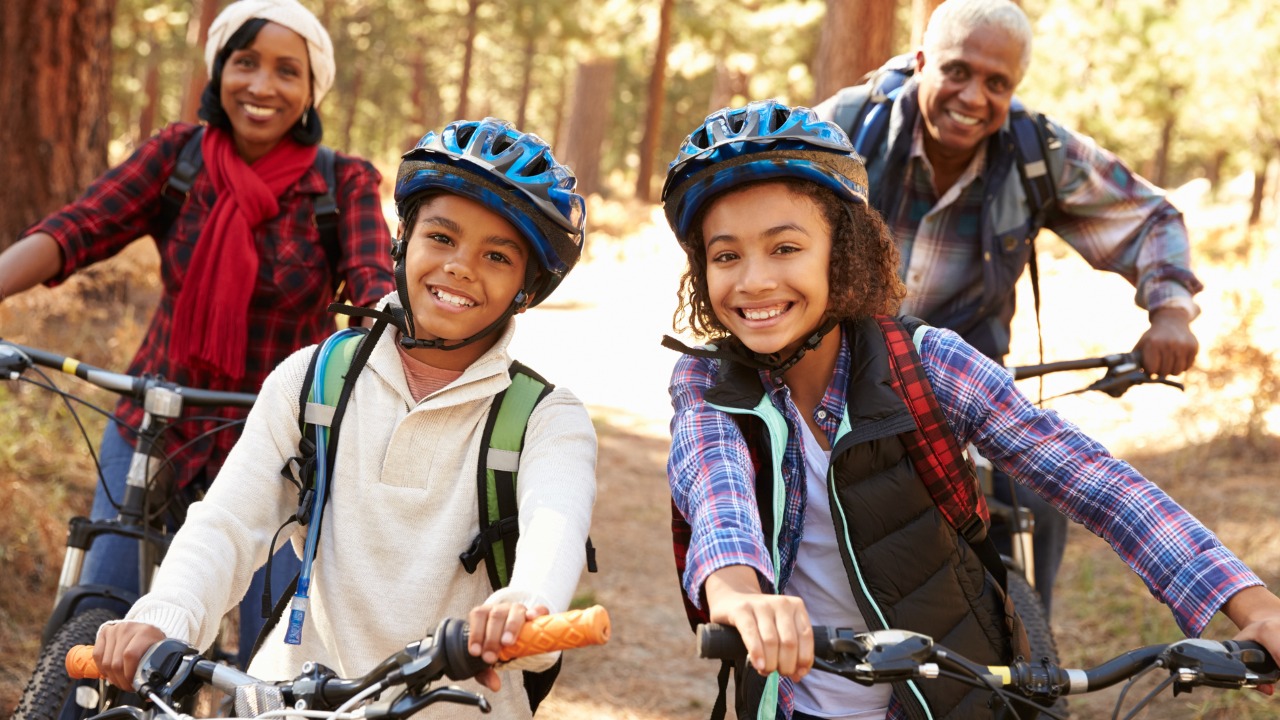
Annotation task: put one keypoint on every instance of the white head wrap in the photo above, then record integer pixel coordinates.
(290, 14)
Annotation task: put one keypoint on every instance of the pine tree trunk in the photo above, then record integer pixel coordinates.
(920, 12)
(857, 37)
(55, 88)
(197, 74)
(468, 53)
(592, 105)
(657, 93)
(1261, 166)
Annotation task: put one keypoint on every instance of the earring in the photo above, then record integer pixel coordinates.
(305, 114)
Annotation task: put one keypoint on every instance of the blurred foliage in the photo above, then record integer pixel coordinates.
(1118, 71)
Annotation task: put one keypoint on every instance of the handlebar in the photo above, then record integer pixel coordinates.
(885, 656)
(1124, 370)
(173, 670)
(15, 359)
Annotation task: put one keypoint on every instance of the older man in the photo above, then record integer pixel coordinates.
(947, 178)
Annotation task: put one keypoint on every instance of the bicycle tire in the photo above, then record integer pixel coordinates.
(50, 689)
(1039, 633)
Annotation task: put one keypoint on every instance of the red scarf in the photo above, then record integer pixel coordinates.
(209, 329)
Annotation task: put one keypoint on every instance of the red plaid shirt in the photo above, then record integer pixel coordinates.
(295, 281)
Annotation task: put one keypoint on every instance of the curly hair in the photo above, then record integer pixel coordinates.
(863, 273)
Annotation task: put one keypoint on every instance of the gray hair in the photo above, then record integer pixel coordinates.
(955, 19)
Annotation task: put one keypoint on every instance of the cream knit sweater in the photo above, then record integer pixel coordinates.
(403, 507)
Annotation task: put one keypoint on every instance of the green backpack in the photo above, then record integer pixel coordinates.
(501, 442)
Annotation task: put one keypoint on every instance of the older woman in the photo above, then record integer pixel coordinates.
(245, 268)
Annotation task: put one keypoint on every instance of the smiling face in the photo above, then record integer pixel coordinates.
(768, 253)
(464, 265)
(266, 87)
(966, 88)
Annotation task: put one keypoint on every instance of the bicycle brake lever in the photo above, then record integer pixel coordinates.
(1199, 663)
(409, 703)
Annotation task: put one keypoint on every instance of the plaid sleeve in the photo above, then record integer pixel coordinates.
(118, 207)
(1120, 222)
(1182, 563)
(711, 479)
(366, 241)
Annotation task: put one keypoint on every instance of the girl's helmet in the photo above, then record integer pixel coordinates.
(513, 174)
(762, 141)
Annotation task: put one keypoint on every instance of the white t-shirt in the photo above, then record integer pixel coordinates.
(819, 579)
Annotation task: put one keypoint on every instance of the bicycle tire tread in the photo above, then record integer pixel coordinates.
(47, 691)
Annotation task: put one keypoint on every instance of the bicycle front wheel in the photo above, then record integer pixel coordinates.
(52, 695)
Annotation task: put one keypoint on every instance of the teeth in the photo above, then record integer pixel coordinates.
(763, 313)
(256, 111)
(962, 119)
(455, 300)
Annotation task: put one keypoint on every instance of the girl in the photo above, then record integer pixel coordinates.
(490, 224)
(789, 456)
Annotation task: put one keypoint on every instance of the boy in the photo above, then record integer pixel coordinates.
(490, 223)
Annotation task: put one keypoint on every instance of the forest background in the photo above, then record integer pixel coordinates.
(1185, 91)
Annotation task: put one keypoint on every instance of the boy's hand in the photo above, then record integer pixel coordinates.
(119, 649)
(775, 628)
(494, 627)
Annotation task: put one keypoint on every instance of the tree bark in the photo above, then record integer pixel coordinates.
(657, 93)
(55, 88)
(197, 74)
(468, 53)
(857, 37)
(592, 104)
(921, 10)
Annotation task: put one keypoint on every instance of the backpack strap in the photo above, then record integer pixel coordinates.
(501, 443)
(945, 470)
(1035, 139)
(326, 210)
(338, 382)
(173, 195)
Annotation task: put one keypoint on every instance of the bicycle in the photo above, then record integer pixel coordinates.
(892, 656)
(172, 670)
(1123, 371)
(50, 694)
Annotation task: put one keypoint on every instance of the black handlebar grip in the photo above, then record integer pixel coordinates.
(1253, 654)
(720, 642)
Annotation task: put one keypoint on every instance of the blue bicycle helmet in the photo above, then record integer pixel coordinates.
(513, 174)
(764, 140)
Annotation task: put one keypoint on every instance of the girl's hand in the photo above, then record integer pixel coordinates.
(1257, 613)
(120, 647)
(775, 628)
(494, 627)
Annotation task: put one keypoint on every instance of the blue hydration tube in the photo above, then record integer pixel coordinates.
(301, 599)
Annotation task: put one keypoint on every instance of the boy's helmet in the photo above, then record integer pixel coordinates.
(513, 174)
(764, 140)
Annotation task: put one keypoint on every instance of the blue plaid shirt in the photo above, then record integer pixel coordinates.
(710, 472)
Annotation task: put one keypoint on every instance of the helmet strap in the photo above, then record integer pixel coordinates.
(733, 350)
(408, 341)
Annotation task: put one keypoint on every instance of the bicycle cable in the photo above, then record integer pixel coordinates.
(66, 399)
(975, 679)
(1146, 700)
(1115, 714)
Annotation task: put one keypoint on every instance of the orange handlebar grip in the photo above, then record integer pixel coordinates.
(80, 664)
(561, 631)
